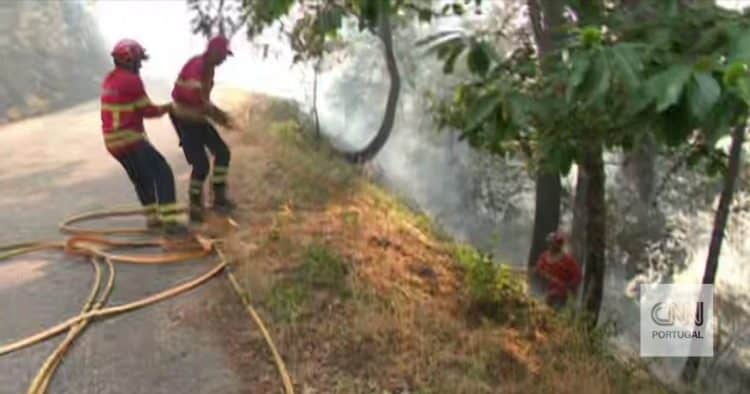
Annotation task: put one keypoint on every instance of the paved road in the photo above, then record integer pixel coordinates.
(51, 167)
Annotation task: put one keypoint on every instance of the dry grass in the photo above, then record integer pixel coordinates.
(364, 297)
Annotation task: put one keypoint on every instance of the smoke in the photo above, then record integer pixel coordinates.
(476, 198)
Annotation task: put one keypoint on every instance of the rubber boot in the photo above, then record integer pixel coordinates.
(195, 211)
(153, 221)
(222, 204)
(196, 214)
(176, 230)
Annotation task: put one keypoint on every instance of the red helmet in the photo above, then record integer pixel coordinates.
(220, 46)
(128, 51)
(556, 238)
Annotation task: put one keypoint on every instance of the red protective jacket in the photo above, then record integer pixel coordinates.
(188, 89)
(124, 104)
(564, 272)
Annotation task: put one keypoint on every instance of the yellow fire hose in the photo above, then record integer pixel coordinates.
(91, 243)
(44, 376)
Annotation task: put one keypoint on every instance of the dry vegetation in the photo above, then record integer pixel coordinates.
(364, 296)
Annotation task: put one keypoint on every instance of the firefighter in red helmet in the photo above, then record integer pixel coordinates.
(560, 270)
(124, 105)
(191, 113)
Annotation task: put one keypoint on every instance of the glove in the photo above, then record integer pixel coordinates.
(220, 117)
(166, 108)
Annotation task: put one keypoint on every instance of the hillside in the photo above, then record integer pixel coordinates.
(58, 57)
(364, 296)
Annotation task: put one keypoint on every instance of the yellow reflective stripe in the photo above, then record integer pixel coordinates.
(116, 109)
(122, 137)
(115, 120)
(169, 213)
(170, 219)
(196, 186)
(132, 106)
(169, 208)
(220, 174)
(150, 208)
(189, 83)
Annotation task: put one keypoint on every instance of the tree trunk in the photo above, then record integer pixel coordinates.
(546, 18)
(546, 219)
(639, 168)
(596, 239)
(220, 18)
(578, 230)
(690, 372)
(316, 118)
(385, 34)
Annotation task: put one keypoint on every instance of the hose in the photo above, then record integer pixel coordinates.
(93, 244)
(44, 376)
(280, 366)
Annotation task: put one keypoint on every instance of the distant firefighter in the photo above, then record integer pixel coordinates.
(560, 270)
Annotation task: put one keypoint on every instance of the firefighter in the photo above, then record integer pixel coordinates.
(124, 105)
(192, 109)
(559, 268)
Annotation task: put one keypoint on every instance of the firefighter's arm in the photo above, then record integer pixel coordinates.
(209, 109)
(541, 270)
(144, 104)
(154, 111)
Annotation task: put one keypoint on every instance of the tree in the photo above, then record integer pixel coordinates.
(217, 17)
(607, 89)
(547, 20)
(690, 371)
(385, 34)
(315, 30)
(738, 82)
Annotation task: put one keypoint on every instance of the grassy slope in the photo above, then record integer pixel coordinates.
(363, 296)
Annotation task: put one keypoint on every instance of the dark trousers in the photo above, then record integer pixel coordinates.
(152, 178)
(196, 138)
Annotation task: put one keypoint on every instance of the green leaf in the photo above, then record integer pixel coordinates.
(486, 106)
(703, 93)
(673, 8)
(741, 48)
(719, 121)
(710, 39)
(599, 80)
(667, 86)
(450, 61)
(579, 66)
(627, 65)
(520, 108)
(642, 99)
(743, 88)
(479, 59)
